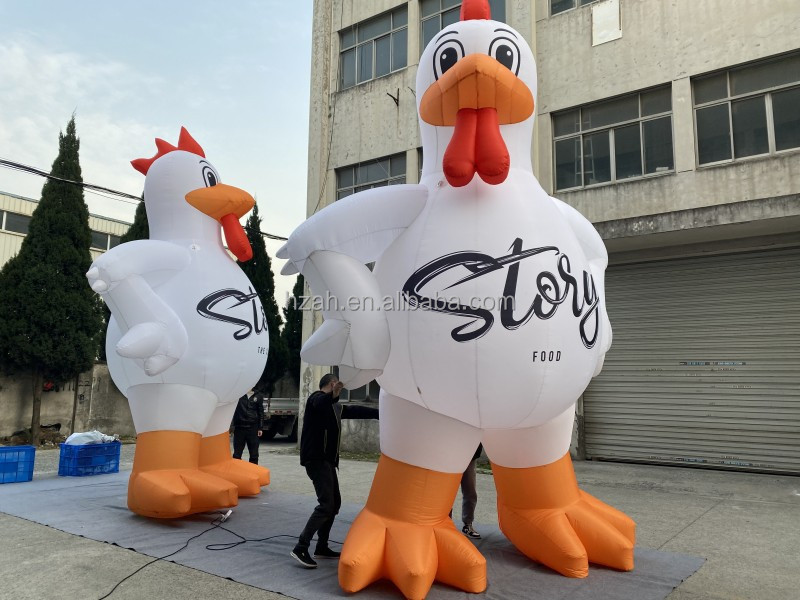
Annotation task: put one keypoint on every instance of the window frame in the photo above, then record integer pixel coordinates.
(609, 128)
(4, 222)
(356, 187)
(767, 93)
(578, 4)
(370, 388)
(372, 41)
(438, 15)
(91, 243)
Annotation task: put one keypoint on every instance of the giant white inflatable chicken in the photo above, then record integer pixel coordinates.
(187, 336)
(483, 321)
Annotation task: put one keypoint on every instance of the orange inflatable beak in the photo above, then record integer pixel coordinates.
(476, 81)
(476, 95)
(226, 204)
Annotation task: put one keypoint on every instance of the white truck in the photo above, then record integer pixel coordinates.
(280, 418)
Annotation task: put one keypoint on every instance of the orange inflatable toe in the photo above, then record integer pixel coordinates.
(165, 482)
(215, 459)
(404, 534)
(545, 515)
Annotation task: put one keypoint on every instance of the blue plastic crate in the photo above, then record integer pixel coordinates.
(89, 459)
(16, 463)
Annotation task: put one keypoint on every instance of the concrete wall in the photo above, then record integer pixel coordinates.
(101, 405)
(98, 404)
(360, 435)
(16, 404)
(663, 41)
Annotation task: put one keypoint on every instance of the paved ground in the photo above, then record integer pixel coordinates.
(747, 526)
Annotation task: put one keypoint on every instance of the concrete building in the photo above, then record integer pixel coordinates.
(15, 214)
(674, 126)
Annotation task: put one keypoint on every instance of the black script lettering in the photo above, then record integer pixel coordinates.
(549, 297)
(206, 308)
(590, 295)
(474, 262)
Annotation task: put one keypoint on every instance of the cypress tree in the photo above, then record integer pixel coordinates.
(259, 270)
(50, 314)
(140, 228)
(292, 333)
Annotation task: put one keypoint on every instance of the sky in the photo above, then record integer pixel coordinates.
(235, 74)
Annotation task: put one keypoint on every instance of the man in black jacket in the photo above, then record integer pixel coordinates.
(248, 421)
(319, 454)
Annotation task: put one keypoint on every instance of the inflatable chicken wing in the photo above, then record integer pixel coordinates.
(500, 325)
(187, 336)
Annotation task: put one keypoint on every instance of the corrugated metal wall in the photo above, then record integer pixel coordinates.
(10, 242)
(705, 364)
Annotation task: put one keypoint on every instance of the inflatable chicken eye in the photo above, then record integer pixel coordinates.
(448, 53)
(505, 51)
(209, 176)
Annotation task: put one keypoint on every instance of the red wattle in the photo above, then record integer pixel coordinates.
(491, 154)
(476, 146)
(236, 237)
(459, 158)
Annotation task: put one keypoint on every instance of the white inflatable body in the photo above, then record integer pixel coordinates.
(483, 321)
(187, 336)
(512, 353)
(187, 281)
(493, 294)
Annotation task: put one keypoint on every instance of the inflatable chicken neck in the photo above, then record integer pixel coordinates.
(187, 336)
(483, 321)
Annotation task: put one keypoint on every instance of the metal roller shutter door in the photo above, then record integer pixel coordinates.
(705, 364)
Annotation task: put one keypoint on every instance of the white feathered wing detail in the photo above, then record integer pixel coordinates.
(331, 250)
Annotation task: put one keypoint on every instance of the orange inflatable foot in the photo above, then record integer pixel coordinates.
(215, 459)
(165, 482)
(404, 534)
(545, 515)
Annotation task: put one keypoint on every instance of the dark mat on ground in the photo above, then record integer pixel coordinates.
(94, 507)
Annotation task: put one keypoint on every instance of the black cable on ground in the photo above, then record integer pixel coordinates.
(215, 524)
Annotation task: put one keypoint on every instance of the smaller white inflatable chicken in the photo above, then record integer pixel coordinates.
(483, 321)
(187, 336)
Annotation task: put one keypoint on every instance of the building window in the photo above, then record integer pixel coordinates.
(99, 240)
(113, 240)
(373, 48)
(366, 393)
(748, 111)
(16, 222)
(435, 15)
(559, 6)
(389, 170)
(614, 140)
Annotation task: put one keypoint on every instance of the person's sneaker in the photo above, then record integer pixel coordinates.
(303, 558)
(470, 532)
(326, 553)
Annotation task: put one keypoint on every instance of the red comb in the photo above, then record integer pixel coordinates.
(475, 9)
(185, 142)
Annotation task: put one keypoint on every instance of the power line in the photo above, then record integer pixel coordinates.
(87, 186)
(98, 190)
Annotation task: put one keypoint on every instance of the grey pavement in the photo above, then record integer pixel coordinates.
(747, 526)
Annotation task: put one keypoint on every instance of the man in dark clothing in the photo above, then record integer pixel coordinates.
(319, 454)
(248, 420)
(469, 496)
